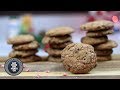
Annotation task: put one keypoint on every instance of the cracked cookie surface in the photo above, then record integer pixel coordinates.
(27, 46)
(60, 31)
(20, 39)
(97, 25)
(79, 58)
(94, 41)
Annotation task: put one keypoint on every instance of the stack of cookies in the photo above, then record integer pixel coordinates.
(57, 38)
(96, 36)
(24, 48)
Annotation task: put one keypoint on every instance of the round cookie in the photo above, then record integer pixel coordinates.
(79, 58)
(22, 53)
(104, 58)
(54, 59)
(46, 40)
(107, 45)
(60, 46)
(3, 59)
(33, 58)
(97, 25)
(20, 39)
(103, 52)
(60, 31)
(94, 41)
(54, 52)
(56, 40)
(99, 33)
(27, 46)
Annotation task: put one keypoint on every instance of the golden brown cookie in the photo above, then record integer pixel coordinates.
(107, 45)
(104, 52)
(97, 25)
(54, 52)
(46, 40)
(95, 40)
(99, 33)
(104, 58)
(60, 46)
(3, 59)
(20, 39)
(54, 59)
(33, 58)
(79, 58)
(60, 31)
(22, 53)
(27, 46)
(56, 40)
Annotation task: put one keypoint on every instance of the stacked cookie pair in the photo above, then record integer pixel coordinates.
(57, 39)
(24, 47)
(96, 36)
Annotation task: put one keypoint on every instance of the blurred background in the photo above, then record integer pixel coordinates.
(37, 23)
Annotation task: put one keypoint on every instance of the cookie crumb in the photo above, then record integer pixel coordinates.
(2, 65)
(47, 71)
(38, 76)
(27, 70)
(24, 66)
(65, 74)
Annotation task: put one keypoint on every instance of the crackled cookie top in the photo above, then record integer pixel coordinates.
(27, 46)
(20, 39)
(79, 58)
(60, 31)
(95, 40)
(97, 25)
(107, 45)
(99, 33)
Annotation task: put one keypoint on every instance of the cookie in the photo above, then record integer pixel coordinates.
(3, 59)
(104, 52)
(107, 45)
(97, 25)
(104, 58)
(99, 33)
(54, 59)
(95, 40)
(46, 40)
(54, 52)
(56, 40)
(22, 53)
(59, 31)
(60, 46)
(33, 58)
(79, 58)
(20, 39)
(27, 46)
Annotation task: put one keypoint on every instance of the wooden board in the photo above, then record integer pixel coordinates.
(104, 70)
